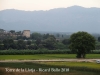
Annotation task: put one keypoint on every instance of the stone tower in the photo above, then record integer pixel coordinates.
(26, 33)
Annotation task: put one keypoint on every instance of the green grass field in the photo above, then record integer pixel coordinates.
(45, 56)
(76, 64)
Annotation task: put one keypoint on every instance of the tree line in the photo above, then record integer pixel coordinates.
(48, 42)
(79, 43)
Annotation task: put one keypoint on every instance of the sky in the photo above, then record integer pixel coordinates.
(32, 5)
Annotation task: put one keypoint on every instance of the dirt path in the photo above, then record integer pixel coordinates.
(53, 60)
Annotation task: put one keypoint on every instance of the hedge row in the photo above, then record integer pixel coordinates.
(31, 52)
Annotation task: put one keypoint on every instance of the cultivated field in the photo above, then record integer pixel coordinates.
(46, 56)
(75, 68)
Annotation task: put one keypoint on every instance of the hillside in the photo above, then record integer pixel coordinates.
(69, 19)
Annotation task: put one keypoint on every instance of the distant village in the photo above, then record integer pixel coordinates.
(12, 33)
(28, 35)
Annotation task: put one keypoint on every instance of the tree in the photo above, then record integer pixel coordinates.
(29, 42)
(6, 43)
(38, 41)
(12, 31)
(1, 45)
(31, 47)
(19, 33)
(21, 44)
(35, 36)
(50, 42)
(60, 45)
(66, 41)
(9, 43)
(99, 39)
(45, 36)
(0, 42)
(82, 42)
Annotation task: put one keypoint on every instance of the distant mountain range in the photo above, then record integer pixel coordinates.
(71, 19)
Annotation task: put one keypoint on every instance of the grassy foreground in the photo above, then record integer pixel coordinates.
(75, 68)
(46, 56)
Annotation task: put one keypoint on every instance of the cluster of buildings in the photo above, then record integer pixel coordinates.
(12, 33)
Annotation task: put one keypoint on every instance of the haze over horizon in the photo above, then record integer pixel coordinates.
(35, 5)
(65, 16)
(72, 19)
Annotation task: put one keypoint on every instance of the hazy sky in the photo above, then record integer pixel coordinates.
(45, 4)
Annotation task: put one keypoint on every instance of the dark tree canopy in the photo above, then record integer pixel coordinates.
(36, 35)
(66, 41)
(82, 42)
(99, 39)
(29, 42)
(12, 31)
(50, 42)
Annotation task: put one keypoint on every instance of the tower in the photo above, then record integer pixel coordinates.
(26, 33)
